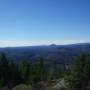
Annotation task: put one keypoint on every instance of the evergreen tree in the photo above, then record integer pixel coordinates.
(4, 69)
(39, 70)
(80, 75)
(26, 71)
(15, 75)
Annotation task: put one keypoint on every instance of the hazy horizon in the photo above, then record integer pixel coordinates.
(4, 44)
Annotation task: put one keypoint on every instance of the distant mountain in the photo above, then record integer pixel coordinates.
(52, 53)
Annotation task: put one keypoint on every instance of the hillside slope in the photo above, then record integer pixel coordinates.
(51, 53)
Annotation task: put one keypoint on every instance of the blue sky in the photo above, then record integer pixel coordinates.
(35, 22)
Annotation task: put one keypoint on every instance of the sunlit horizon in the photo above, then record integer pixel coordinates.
(36, 43)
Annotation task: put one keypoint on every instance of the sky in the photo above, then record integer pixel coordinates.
(43, 22)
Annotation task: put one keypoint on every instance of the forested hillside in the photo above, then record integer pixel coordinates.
(41, 76)
(53, 53)
(54, 67)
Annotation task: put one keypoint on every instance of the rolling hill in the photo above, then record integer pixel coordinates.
(52, 53)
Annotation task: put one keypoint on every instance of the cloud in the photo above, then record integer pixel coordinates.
(12, 43)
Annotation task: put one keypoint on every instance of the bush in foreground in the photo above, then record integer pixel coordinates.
(22, 87)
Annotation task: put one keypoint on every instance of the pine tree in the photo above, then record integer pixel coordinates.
(26, 71)
(5, 69)
(80, 75)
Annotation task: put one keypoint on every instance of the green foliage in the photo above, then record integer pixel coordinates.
(12, 74)
(15, 74)
(50, 72)
(80, 74)
(26, 72)
(39, 71)
(4, 69)
(9, 72)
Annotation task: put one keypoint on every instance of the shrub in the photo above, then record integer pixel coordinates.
(22, 87)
